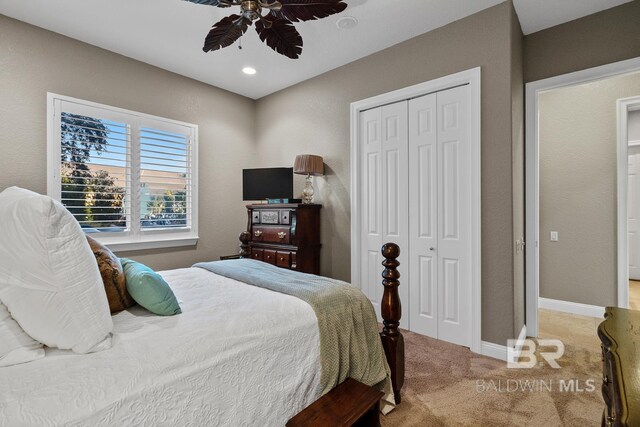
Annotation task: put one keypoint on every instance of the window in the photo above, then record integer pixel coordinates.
(130, 179)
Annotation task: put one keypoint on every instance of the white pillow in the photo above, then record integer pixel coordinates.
(15, 345)
(49, 278)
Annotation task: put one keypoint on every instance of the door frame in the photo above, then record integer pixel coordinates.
(532, 196)
(471, 77)
(623, 107)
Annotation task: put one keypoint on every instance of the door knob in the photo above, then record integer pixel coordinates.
(432, 248)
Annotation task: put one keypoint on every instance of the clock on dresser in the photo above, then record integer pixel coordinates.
(286, 235)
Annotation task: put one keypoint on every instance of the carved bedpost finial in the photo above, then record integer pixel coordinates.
(245, 249)
(391, 310)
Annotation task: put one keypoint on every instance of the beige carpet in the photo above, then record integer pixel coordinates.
(634, 294)
(441, 387)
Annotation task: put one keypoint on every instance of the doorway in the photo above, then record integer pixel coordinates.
(554, 235)
(629, 150)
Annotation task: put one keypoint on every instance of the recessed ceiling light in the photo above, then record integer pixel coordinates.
(347, 23)
(249, 70)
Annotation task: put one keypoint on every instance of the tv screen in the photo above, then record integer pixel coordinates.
(268, 183)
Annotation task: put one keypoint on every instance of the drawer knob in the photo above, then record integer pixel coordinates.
(281, 258)
(282, 235)
(257, 233)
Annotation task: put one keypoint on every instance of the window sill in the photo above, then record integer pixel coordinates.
(150, 244)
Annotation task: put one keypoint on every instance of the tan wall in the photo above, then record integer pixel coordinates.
(517, 137)
(34, 61)
(578, 190)
(602, 38)
(314, 117)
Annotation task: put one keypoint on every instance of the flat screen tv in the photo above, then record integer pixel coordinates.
(267, 183)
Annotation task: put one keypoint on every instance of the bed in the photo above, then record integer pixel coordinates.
(237, 355)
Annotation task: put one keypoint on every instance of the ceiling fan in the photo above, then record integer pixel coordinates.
(275, 28)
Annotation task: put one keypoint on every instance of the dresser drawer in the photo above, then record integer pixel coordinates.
(283, 259)
(271, 235)
(257, 254)
(270, 256)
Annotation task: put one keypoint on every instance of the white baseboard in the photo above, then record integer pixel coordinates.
(496, 351)
(501, 352)
(571, 307)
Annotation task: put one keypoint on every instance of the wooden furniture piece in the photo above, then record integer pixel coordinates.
(286, 235)
(349, 404)
(620, 336)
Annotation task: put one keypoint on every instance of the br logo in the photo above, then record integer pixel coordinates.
(526, 357)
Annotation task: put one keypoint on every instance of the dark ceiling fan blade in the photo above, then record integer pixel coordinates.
(226, 32)
(219, 3)
(281, 36)
(307, 10)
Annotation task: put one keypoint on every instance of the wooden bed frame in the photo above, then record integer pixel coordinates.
(390, 307)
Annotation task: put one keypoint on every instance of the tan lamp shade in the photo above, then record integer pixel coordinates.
(308, 164)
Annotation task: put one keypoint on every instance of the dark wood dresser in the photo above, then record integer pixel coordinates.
(286, 235)
(620, 336)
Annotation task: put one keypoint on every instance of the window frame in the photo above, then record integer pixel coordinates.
(134, 238)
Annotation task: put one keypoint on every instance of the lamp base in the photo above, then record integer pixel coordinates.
(307, 192)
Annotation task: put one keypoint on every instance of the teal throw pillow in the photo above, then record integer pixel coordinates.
(149, 289)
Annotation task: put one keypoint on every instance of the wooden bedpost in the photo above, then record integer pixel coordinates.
(392, 339)
(245, 249)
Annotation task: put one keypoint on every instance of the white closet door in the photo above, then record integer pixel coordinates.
(454, 219)
(395, 191)
(371, 219)
(423, 216)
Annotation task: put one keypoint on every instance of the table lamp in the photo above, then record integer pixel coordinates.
(308, 164)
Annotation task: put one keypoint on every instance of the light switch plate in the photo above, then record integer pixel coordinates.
(554, 236)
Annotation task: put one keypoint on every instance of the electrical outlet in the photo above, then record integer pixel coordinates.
(554, 236)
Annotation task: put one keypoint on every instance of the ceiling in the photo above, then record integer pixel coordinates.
(170, 33)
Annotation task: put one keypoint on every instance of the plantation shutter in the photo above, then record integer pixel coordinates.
(95, 168)
(165, 178)
(128, 177)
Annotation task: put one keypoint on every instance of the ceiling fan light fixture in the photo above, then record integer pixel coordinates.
(275, 28)
(250, 71)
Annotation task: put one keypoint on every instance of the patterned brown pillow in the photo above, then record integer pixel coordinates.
(112, 277)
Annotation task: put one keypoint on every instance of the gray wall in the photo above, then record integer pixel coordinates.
(517, 138)
(578, 171)
(602, 38)
(313, 116)
(34, 61)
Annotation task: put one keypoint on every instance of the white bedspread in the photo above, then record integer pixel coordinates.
(238, 355)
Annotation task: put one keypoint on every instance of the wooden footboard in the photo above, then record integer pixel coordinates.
(390, 307)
